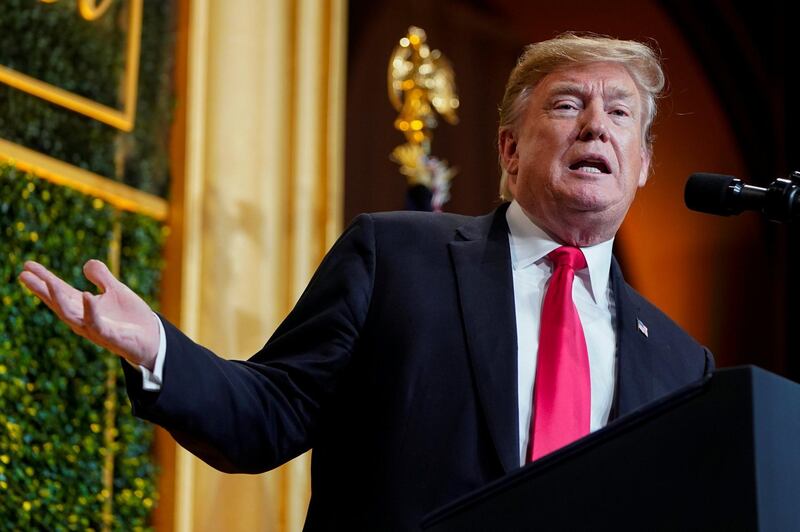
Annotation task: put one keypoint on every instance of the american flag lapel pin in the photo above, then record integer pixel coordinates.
(642, 327)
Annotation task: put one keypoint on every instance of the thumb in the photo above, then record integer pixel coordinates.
(92, 325)
(99, 274)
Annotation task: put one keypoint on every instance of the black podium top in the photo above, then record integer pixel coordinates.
(722, 454)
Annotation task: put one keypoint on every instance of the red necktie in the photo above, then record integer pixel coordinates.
(562, 392)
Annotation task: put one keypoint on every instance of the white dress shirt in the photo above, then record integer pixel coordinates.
(591, 292)
(593, 298)
(151, 380)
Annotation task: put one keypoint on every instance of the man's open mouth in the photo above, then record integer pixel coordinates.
(591, 166)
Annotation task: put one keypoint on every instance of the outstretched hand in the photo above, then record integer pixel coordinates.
(116, 319)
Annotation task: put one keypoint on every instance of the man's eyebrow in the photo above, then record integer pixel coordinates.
(613, 93)
(619, 93)
(567, 89)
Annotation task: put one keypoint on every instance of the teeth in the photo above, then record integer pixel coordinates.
(590, 169)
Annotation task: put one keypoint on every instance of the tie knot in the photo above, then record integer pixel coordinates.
(568, 256)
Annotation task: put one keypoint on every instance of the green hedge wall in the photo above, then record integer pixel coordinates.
(53, 389)
(52, 383)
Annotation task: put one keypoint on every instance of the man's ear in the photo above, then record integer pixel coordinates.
(644, 173)
(507, 147)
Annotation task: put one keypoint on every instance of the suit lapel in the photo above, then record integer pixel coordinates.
(634, 352)
(482, 263)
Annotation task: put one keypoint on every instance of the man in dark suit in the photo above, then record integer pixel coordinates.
(408, 364)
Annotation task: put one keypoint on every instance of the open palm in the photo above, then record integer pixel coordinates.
(116, 318)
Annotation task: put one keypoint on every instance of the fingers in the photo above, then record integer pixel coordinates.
(37, 286)
(99, 274)
(117, 319)
(53, 282)
(35, 268)
(41, 290)
(59, 296)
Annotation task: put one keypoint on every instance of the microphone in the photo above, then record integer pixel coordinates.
(725, 195)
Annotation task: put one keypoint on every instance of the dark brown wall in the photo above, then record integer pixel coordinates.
(482, 53)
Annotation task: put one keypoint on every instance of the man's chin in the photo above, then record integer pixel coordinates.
(598, 212)
(588, 203)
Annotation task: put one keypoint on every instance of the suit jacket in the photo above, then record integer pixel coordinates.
(398, 367)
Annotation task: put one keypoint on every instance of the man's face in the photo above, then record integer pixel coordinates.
(577, 156)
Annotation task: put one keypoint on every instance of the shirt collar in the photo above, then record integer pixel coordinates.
(530, 244)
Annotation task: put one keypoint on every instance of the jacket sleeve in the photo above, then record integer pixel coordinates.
(252, 416)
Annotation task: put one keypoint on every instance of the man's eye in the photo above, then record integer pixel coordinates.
(568, 106)
(619, 112)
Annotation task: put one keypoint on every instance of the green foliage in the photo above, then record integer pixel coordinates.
(147, 149)
(51, 42)
(53, 394)
(134, 478)
(53, 383)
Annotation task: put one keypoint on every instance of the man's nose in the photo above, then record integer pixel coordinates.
(593, 126)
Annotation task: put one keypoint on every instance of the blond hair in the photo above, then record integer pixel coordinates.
(571, 49)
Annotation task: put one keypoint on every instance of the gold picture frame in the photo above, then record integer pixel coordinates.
(123, 119)
(119, 195)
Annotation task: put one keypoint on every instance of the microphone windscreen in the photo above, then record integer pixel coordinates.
(710, 193)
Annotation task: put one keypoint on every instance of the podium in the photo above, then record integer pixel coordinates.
(723, 454)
